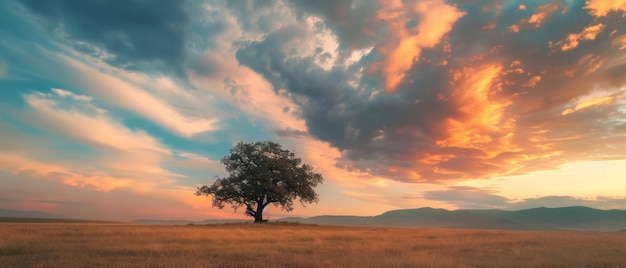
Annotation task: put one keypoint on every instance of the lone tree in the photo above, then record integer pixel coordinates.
(260, 174)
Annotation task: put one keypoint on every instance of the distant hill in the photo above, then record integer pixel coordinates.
(9, 213)
(565, 218)
(574, 218)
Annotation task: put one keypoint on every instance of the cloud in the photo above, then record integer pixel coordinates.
(291, 133)
(236, 84)
(133, 92)
(405, 44)
(131, 34)
(353, 22)
(600, 8)
(125, 158)
(478, 102)
(572, 40)
(101, 159)
(198, 162)
(390, 100)
(85, 121)
(98, 181)
(589, 102)
(541, 14)
(620, 41)
(24, 192)
(165, 99)
(68, 94)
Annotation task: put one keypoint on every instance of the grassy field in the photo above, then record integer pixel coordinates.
(294, 245)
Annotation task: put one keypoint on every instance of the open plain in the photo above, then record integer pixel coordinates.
(299, 245)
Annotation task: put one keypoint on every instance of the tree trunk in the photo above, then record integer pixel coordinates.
(258, 216)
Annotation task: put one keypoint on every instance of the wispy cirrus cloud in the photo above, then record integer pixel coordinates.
(158, 99)
(89, 148)
(126, 152)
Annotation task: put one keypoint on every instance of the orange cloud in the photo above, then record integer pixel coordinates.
(482, 128)
(533, 81)
(405, 45)
(541, 14)
(590, 63)
(482, 114)
(99, 182)
(602, 100)
(538, 18)
(571, 41)
(22, 165)
(600, 8)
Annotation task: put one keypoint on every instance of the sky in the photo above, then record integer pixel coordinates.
(119, 110)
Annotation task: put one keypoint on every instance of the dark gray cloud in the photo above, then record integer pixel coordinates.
(291, 133)
(315, 90)
(134, 34)
(246, 12)
(338, 112)
(352, 21)
(444, 122)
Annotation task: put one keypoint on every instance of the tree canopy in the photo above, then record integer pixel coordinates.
(262, 173)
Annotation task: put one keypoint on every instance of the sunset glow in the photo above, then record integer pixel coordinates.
(118, 110)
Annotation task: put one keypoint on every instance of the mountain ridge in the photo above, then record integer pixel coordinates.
(563, 218)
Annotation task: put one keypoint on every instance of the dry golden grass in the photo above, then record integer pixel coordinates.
(293, 245)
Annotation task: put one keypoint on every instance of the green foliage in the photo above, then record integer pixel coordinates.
(260, 174)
